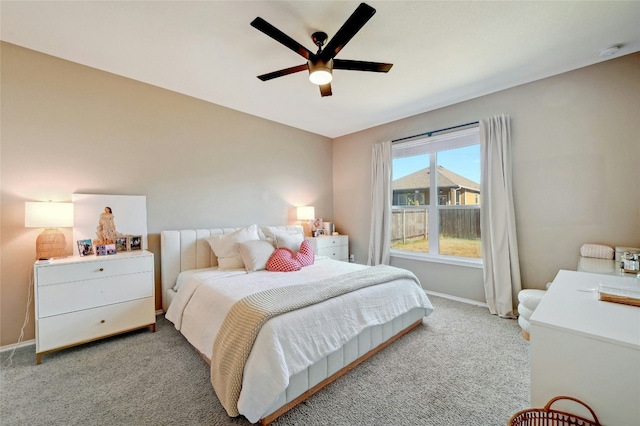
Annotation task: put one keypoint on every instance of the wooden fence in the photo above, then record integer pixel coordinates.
(454, 223)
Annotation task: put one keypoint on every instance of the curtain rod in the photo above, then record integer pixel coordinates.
(434, 131)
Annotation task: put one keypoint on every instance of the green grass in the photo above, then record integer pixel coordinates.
(448, 246)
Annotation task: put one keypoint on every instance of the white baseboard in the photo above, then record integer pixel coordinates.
(13, 345)
(459, 299)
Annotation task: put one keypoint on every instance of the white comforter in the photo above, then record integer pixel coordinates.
(289, 343)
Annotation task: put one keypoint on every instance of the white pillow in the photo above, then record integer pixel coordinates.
(270, 231)
(289, 240)
(255, 254)
(225, 246)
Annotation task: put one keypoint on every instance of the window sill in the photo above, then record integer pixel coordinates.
(449, 260)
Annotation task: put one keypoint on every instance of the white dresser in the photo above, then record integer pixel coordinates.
(334, 246)
(587, 348)
(81, 299)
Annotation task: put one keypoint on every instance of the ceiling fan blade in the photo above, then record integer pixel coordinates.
(346, 64)
(360, 16)
(282, 73)
(325, 89)
(282, 38)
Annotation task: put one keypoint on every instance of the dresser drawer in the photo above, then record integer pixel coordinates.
(333, 241)
(337, 253)
(83, 326)
(78, 295)
(88, 270)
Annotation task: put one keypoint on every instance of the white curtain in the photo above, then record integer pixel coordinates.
(380, 235)
(498, 224)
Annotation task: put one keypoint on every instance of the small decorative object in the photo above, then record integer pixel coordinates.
(630, 262)
(328, 228)
(106, 231)
(101, 250)
(121, 244)
(111, 248)
(134, 242)
(85, 247)
(627, 295)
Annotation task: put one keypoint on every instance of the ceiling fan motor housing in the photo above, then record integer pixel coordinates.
(319, 38)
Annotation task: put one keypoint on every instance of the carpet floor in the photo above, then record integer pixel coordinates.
(464, 366)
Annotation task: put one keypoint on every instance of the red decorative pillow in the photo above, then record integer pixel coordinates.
(283, 260)
(305, 255)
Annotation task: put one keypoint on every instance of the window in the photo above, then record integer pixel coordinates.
(444, 222)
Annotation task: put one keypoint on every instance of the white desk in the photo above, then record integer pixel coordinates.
(588, 349)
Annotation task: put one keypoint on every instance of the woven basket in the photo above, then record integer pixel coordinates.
(548, 417)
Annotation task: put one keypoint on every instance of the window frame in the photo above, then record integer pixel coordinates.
(432, 145)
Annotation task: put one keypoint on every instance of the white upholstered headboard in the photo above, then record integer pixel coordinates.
(188, 249)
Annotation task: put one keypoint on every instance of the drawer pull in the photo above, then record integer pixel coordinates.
(101, 269)
(102, 321)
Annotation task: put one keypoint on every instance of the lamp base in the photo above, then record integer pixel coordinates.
(51, 243)
(306, 227)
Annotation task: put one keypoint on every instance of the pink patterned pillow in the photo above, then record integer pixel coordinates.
(283, 260)
(305, 255)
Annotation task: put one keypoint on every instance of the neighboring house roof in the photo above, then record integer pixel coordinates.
(446, 178)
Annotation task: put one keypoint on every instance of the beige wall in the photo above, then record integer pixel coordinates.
(576, 170)
(68, 128)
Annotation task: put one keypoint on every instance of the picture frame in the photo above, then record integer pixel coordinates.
(316, 224)
(121, 244)
(85, 247)
(316, 227)
(134, 242)
(111, 249)
(101, 250)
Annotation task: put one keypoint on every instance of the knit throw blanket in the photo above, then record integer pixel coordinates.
(240, 327)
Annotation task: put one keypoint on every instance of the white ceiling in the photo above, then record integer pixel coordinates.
(443, 52)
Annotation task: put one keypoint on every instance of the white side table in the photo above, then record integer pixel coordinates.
(334, 246)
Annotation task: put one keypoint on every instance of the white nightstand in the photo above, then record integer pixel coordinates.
(334, 246)
(81, 299)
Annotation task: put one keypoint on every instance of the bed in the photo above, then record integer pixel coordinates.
(295, 353)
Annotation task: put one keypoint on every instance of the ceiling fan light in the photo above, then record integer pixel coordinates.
(320, 72)
(320, 77)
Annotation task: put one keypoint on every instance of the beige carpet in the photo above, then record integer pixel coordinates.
(462, 367)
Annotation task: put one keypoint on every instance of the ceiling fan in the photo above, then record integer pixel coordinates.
(322, 63)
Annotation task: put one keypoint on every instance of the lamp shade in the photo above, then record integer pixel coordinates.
(306, 213)
(48, 215)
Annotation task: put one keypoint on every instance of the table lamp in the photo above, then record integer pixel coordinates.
(304, 215)
(51, 216)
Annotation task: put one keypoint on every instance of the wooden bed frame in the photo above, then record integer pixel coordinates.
(188, 249)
